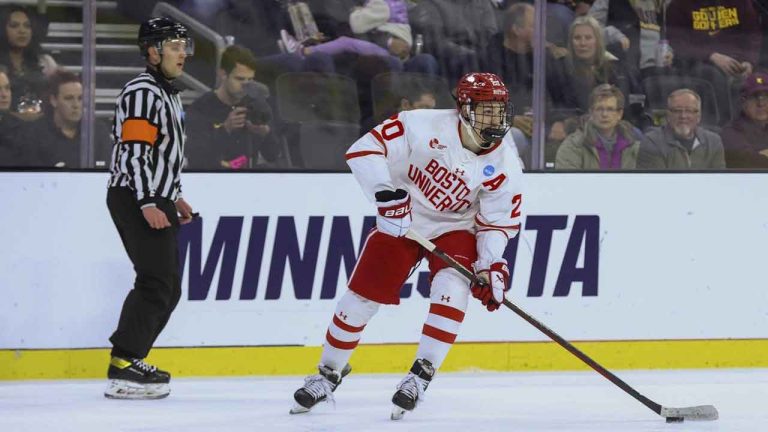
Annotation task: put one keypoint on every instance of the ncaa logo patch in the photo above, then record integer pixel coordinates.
(489, 170)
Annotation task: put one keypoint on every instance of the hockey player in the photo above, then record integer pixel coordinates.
(454, 177)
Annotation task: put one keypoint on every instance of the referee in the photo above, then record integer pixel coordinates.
(146, 205)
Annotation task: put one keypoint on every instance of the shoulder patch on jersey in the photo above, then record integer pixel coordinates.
(434, 143)
(489, 170)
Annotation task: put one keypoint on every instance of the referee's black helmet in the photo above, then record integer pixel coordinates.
(155, 31)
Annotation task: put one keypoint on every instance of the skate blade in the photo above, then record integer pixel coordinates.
(298, 409)
(397, 413)
(121, 389)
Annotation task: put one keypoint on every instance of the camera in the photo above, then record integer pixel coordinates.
(254, 101)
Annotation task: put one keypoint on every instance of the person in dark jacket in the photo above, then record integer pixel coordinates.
(746, 137)
(588, 64)
(715, 40)
(28, 66)
(54, 140)
(229, 128)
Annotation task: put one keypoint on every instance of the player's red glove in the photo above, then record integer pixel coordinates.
(394, 215)
(496, 279)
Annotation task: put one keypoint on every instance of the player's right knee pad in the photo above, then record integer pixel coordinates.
(355, 310)
(450, 288)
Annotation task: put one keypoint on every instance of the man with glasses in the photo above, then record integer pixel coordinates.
(746, 137)
(682, 144)
(605, 141)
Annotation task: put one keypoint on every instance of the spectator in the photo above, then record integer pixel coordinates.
(229, 128)
(11, 152)
(715, 41)
(54, 139)
(605, 141)
(724, 34)
(633, 33)
(588, 64)
(682, 144)
(416, 97)
(380, 29)
(20, 51)
(453, 31)
(746, 137)
(559, 17)
(510, 56)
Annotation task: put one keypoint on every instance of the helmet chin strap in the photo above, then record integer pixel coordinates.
(470, 130)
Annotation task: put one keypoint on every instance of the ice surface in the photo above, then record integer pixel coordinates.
(466, 402)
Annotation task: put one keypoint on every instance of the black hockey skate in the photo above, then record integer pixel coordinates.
(411, 389)
(318, 388)
(134, 379)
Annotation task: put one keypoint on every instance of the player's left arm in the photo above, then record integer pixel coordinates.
(497, 222)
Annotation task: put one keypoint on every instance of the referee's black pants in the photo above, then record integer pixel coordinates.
(155, 257)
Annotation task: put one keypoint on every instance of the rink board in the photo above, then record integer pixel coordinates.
(648, 264)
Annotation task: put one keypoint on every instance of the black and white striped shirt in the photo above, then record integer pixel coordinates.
(148, 132)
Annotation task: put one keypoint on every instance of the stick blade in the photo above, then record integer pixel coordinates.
(700, 413)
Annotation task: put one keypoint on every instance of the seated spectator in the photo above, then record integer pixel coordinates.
(715, 41)
(415, 97)
(725, 35)
(560, 15)
(20, 51)
(633, 32)
(453, 32)
(746, 137)
(11, 152)
(229, 128)
(510, 56)
(682, 144)
(380, 29)
(588, 64)
(54, 139)
(604, 141)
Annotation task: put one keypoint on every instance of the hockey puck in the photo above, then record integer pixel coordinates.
(675, 419)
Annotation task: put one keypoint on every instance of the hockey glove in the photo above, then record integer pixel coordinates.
(496, 279)
(394, 216)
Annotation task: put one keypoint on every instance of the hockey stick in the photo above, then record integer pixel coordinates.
(701, 412)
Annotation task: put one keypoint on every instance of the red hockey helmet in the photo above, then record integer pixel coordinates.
(481, 87)
(477, 87)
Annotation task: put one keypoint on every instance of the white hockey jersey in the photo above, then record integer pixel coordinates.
(451, 187)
